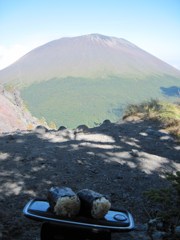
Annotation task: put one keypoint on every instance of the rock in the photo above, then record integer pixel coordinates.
(61, 128)
(166, 138)
(144, 134)
(81, 128)
(134, 153)
(41, 129)
(107, 121)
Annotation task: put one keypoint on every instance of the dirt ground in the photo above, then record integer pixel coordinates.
(121, 160)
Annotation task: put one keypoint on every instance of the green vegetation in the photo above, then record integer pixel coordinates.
(74, 101)
(165, 203)
(167, 113)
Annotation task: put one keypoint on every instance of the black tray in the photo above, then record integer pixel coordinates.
(115, 220)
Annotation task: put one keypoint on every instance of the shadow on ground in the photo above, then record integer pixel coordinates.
(121, 160)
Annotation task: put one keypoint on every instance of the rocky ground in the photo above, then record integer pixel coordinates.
(120, 160)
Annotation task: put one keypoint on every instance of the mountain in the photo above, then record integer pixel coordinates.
(89, 56)
(90, 78)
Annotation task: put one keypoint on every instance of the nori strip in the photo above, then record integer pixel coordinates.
(87, 198)
(63, 201)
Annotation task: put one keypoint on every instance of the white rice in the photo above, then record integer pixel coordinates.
(100, 207)
(67, 206)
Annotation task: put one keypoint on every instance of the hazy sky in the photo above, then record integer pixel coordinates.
(153, 25)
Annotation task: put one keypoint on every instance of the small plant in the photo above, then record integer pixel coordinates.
(165, 204)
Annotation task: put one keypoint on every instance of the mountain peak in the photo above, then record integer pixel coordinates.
(97, 36)
(92, 55)
(109, 41)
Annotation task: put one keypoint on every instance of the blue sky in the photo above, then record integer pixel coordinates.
(153, 25)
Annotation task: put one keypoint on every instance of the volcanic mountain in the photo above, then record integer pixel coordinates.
(87, 79)
(91, 56)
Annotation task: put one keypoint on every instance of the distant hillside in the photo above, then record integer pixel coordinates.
(74, 101)
(86, 56)
(86, 79)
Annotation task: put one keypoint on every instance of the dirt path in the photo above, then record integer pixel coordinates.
(120, 160)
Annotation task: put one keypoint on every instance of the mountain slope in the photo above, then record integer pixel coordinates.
(13, 115)
(91, 55)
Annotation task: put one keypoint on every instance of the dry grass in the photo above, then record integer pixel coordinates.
(168, 114)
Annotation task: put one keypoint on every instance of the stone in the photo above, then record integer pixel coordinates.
(107, 121)
(41, 129)
(61, 128)
(81, 128)
(134, 153)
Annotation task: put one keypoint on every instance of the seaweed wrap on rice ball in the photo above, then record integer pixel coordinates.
(93, 204)
(63, 201)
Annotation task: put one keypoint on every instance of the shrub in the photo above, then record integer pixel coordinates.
(168, 114)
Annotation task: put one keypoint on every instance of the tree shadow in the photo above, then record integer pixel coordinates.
(173, 91)
(121, 160)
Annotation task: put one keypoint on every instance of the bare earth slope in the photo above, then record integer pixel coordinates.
(13, 115)
(121, 160)
(92, 55)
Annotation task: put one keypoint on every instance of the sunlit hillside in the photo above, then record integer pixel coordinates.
(74, 101)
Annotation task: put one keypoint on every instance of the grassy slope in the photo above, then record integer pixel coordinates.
(168, 114)
(74, 101)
